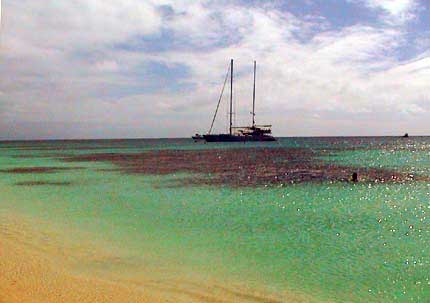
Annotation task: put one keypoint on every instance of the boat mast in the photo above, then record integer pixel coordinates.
(231, 96)
(219, 100)
(253, 97)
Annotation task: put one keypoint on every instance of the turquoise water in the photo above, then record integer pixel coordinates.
(335, 242)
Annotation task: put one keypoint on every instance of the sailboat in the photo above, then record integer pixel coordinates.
(239, 133)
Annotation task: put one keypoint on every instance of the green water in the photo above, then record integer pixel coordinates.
(332, 241)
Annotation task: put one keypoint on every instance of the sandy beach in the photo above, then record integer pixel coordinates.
(36, 269)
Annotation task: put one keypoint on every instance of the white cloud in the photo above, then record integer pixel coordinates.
(72, 25)
(59, 67)
(106, 66)
(393, 7)
(349, 71)
(396, 11)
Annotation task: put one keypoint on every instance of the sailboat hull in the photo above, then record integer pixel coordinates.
(236, 138)
(253, 133)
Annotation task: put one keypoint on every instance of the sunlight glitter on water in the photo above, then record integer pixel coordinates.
(336, 241)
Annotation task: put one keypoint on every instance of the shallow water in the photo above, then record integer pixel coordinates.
(332, 241)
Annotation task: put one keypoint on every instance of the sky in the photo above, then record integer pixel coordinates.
(146, 69)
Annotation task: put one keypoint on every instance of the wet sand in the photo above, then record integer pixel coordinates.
(34, 268)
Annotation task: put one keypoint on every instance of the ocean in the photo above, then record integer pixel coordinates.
(160, 223)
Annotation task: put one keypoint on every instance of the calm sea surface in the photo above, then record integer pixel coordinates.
(332, 241)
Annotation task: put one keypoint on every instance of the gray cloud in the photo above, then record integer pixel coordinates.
(63, 74)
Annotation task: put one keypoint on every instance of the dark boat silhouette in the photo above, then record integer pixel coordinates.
(239, 133)
(197, 137)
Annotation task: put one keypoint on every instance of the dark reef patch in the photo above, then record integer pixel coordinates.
(243, 166)
(36, 156)
(37, 170)
(41, 183)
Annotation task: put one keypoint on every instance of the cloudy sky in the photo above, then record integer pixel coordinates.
(147, 68)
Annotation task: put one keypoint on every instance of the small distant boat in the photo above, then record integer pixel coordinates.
(239, 133)
(406, 135)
